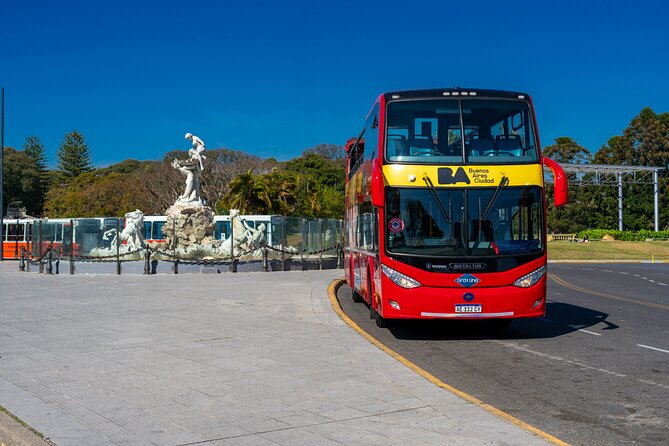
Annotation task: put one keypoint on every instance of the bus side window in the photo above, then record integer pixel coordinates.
(146, 230)
(157, 230)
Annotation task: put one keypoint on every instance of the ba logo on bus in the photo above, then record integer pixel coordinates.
(467, 280)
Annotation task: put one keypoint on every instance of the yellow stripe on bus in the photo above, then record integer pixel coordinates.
(459, 176)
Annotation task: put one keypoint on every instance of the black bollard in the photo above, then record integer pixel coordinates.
(233, 265)
(175, 266)
(49, 259)
(22, 261)
(265, 263)
(147, 259)
(305, 267)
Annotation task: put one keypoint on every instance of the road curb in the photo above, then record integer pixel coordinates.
(332, 295)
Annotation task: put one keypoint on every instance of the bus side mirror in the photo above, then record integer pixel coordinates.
(561, 187)
(378, 185)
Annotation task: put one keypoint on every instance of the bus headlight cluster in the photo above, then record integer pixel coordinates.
(530, 279)
(398, 278)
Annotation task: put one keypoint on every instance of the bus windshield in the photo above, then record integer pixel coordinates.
(473, 222)
(452, 131)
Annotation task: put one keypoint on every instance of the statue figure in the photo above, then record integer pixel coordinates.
(197, 149)
(254, 237)
(189, 168)
(131, 234)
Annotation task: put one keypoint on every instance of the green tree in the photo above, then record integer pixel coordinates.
(74, 156)
(567, 150)
(645, 142)
(34, 148)
(21, 181)
(249, 193)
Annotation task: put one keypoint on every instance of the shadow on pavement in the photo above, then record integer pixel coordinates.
(561, 318)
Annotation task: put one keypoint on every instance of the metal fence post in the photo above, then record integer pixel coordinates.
(118, 245)
(49, 259)
(40, 267)
(320, 243)
(283, 243)
(174, 246)
(71, 246)
(233, 266)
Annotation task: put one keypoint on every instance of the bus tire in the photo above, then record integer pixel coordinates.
(355, 296)
(380, 321)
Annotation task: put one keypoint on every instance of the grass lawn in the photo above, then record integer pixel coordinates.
(608, 250)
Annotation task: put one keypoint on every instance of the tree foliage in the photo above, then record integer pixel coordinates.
(22, 181)
(34, 148)
(567, 150)
(645, 142)
(74, 156)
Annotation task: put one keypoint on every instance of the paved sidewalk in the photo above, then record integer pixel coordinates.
(213, 359)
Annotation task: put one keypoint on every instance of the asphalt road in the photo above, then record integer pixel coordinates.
(595, 371)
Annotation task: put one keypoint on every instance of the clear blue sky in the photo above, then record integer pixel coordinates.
(273, 78)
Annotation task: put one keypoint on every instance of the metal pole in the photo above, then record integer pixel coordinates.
(174, 246)
(118, 245)
(620, 201)
(16, 240)
(232, 243)
(656, 193)
(2, 164)
(320, 243)
(283, 243)
(71, 246)
(40, 268)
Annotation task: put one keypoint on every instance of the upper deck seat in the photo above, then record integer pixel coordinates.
(509, 145)
(422, 146)
(397, 145)
(479, 147)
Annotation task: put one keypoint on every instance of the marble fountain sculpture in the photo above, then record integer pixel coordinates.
(191, 223)
(130, 239)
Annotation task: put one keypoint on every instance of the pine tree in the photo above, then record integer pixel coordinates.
(34, 148)
(74, 156)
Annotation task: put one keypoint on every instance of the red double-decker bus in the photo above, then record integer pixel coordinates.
(445, 207)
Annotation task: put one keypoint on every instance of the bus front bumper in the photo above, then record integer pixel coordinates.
(463, 303)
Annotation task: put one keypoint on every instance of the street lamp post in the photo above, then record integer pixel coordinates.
(2, 164)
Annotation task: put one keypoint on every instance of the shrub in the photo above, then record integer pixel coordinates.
(628, 236)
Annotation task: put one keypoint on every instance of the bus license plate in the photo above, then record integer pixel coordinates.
(467, 308)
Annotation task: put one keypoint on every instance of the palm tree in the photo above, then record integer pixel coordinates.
(249, 193)
(283, 192)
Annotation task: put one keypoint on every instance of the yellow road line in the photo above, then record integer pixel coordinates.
(566, 284)
(332, 294)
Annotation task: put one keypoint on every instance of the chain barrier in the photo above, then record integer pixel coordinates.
(171, 257)
(220, 261)
(109, 258)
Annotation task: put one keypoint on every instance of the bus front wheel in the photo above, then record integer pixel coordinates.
(380, 321)
(357, 298)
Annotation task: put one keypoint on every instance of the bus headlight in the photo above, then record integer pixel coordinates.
(530, 279)
(398, 278)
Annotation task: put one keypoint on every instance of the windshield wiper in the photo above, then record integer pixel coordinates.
(502, 184)
(436, 198)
